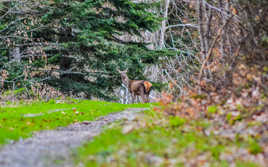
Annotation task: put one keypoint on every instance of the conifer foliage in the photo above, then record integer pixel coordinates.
(74, 46)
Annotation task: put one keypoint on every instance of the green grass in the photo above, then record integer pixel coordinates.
(169, 140)
(175, 140)
(158, 141)
(14, 124)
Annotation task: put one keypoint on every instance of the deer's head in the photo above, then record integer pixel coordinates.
(124, 77)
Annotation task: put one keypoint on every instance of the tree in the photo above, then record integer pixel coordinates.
(75, 46)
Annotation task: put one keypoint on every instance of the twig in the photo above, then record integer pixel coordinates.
(182, 25)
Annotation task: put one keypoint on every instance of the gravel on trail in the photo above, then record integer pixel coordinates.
(53, 148)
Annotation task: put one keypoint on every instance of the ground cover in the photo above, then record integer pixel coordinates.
(158, 140)
(21, 120)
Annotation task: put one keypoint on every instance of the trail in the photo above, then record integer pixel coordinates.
(48, 148)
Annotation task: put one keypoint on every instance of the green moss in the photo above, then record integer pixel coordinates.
(23, 119)
(15, 92)
(254, 147)
(245, 164)
(173, 138)
(233, 119)
(199, 96)
(201, 123)
(265, 69)
(212, 109)
(176, 121)
(131, 149)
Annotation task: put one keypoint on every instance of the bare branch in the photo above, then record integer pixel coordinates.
(182, 25)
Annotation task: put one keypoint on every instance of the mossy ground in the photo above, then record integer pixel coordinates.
(164, 141)
(15, 124)
(154, 139)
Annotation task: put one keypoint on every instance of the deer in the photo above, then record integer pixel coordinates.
(136, 87)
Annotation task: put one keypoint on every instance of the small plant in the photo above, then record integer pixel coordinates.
(232, 119)
(176, 121)
(212, 109)
(254, 147)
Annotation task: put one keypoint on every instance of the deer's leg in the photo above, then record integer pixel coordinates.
(133, 97)
(147, 98)
(142, 94)
(138, 99)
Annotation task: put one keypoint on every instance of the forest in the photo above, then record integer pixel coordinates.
(199, 69)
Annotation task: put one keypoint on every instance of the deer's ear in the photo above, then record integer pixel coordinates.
(125, 71)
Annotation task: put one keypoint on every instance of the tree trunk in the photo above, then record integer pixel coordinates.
(201, 28)
(163, 27)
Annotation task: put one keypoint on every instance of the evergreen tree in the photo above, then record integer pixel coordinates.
(76, 45)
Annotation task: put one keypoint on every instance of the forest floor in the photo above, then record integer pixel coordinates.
(89, 133)
(167, 141)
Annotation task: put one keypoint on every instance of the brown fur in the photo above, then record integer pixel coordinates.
(136, 87)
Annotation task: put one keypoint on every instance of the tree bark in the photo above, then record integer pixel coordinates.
(163, 27)
(201, 28)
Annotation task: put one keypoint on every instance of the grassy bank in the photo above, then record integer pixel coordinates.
(168, 141)
(21, 120)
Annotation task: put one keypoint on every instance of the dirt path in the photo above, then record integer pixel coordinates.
(48, 147)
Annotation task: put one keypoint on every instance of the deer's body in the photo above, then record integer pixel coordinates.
(137, 87)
